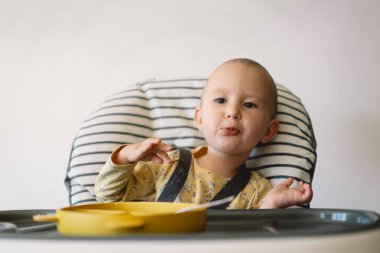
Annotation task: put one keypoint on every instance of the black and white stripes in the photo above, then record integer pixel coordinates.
(165, 109)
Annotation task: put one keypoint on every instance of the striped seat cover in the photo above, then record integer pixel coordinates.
(165, 109)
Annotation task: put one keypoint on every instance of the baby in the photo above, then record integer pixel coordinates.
(237, 111)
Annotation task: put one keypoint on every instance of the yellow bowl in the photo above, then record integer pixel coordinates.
(126, 217)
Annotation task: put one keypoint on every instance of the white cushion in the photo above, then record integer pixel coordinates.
(165, 109)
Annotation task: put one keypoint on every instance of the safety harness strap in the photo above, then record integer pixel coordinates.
(180, 174)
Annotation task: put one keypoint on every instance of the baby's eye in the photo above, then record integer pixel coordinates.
(220, 100)
(250, 105)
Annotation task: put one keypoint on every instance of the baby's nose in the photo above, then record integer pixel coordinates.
(233, 113)
(233, 116)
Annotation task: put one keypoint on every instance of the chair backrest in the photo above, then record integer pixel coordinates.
(165, 109)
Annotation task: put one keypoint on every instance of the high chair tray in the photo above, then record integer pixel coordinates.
(220, 224)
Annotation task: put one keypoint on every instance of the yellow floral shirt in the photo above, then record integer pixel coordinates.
(144, 181)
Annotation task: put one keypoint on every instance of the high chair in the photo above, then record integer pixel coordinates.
(165, 109)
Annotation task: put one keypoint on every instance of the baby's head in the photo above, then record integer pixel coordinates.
(247, 71)
(238, 107)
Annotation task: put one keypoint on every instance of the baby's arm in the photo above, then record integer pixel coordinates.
(123, 179)
(281, 196)
(151, 149)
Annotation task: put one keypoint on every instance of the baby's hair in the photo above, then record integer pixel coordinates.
(247, 62)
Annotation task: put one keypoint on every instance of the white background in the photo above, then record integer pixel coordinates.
(60, 59)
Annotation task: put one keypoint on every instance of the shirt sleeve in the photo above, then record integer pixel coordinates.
(136, 181)
(261, 187)
(252, 195)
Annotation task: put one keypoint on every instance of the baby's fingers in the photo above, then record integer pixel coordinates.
(149, 146)
(156, 151)
(307, 193)
(163, 155)
(288, 182)
(158, 157)
(161, 150)
(155, 144)
(153, 158)
(163, 147)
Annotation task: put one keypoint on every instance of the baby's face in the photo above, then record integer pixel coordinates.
(235, 111)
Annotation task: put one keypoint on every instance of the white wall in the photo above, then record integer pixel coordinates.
(60, 59)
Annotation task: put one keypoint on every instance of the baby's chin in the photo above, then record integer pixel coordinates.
(231, 149)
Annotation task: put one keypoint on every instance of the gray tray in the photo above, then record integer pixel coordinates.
(222, 224)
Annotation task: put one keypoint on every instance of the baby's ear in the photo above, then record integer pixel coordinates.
(271, 132)
(198, 118)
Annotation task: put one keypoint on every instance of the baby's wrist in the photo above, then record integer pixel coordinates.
(267, 203)
(118, 155)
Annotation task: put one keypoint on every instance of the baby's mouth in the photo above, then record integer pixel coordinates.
(230, 131)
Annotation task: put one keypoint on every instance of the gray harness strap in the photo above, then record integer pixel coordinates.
(178, 178)
(180, 174)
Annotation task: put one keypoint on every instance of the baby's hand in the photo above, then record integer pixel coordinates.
(151, 149)
(282, 196)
